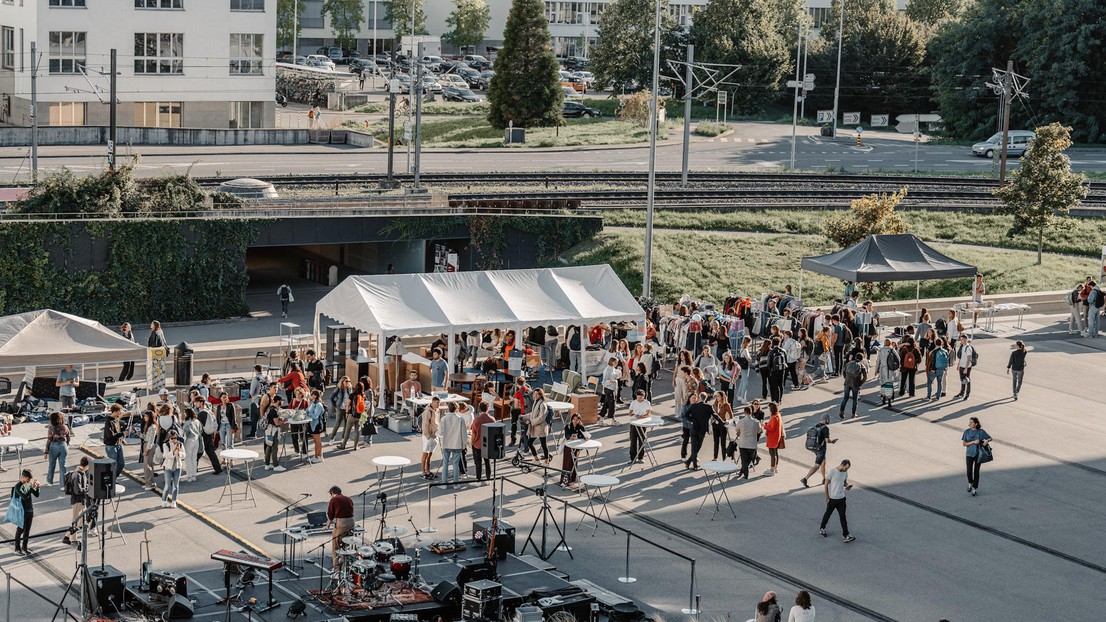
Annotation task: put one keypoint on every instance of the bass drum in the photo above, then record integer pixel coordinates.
(400, 566)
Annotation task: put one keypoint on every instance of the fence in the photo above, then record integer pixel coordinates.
(9, 579)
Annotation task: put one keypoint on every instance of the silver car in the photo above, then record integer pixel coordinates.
(1017, 142)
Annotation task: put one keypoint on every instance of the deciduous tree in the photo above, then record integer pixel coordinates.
(467, 23)
(624, 53)
(345, 21)
(1043, 190)
(288, 27)
(869, 215)
(398, 13)
(526, 88)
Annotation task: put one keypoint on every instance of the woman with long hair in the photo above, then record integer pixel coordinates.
(803, 611)
(762, 367)
(57, 447)
(773, 432)
(149, 445)
(744, 360)
(975, 439)
(723, 412)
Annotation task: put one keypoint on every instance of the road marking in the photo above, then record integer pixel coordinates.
(725, 140)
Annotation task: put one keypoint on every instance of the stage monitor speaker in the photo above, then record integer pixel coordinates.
(447, 593)
(504, 537)
(165, 585)
(180, 608)
(492, 441)
(102, 485)
(106, 587)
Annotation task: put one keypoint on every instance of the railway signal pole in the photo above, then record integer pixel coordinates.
(1007, 85)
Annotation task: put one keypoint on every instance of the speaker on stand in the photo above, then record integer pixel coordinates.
(492, 441)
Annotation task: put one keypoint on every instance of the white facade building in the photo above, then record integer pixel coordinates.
(180, 63)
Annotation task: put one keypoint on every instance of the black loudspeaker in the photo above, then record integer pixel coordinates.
(504, 536)
(179, 608)
(447, 593)
(492, 443)
(102, 485)
(165, 585)
(106, 587)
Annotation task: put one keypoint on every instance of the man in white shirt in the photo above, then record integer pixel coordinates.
(612, 373)
(452, 430)
(964, 366)
(791, 349)
(640, 409)
(837, 482)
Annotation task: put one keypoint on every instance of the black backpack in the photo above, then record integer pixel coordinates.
(776, 360)
(70, 488)
(1099, 298)
(893, 362)
(812, 434)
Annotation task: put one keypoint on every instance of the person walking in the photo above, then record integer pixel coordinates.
(451, 428)
(855, 374)
(748, 431)
(837, 482)
(24, 490)
(209, 425)
(78, 492)
(817, 440)
(978, 444)
(910, 356)
(429, 436)
(480, 458)
(127, 372)
(174, 454)
(612, 373)
(774, 438)
(803, 611)
(937, 363)
(777, 370)
(1015, 367)
(273, 421)
(114, 437)
(284, 294)
(964, 364)
(698, 416)
(58, 436)
(359, 411)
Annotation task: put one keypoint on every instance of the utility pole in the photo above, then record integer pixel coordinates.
(689, 75)
(795, 104)
(295, 28)
(112, 108)
(34, 118)
(375, 3)
(806, 50)
(647, 273)
(391, 182)
(418, 116)
(1007, 85)
(837, 88)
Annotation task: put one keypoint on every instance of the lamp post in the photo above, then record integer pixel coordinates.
(654, 115)
(837, 87)
(295, 27)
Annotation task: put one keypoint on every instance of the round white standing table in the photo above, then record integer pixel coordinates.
(718, 474)
(585, 447)
(12, 442)
(646, 425)
(246, 456)
(382, 464)
(561, 410)
(593, 487)
(299, 428)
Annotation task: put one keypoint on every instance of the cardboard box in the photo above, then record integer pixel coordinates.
(587, 406)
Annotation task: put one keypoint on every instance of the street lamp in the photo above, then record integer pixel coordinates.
(837, 87)
(586, 18)
(647, 272)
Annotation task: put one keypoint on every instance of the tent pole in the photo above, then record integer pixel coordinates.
(451, 353)
(917, 299)
(801, 285)
(381, 388)
(315, 334)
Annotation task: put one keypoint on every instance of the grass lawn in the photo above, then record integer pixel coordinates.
(1084, 237)
(469, 132)
(712, 264)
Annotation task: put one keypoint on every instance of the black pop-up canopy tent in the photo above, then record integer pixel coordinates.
(901, 257)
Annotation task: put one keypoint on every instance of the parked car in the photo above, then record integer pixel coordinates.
(284, 56)
(574, 63)
(576, 110)
(484, 80)
(371, 68)
(476, 62)
(404, 81)
(454, 94)
(320, 62)
(354, 55)
(586, 77)
(431, 62)
(452, 80)
(470, 75)
(431, 85)
(1016, 144)
(570, 93)
(568, 79)
(335, 54)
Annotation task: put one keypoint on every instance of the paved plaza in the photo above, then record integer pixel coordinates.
(1028, 547)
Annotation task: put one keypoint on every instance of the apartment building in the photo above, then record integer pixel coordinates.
(180, 63)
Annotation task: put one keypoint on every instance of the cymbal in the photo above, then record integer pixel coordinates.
(347, 553)
(396, 531)
(351, 541)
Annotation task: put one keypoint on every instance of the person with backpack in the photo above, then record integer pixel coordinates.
(888, 365)
(792, 349)
(937, 363)
(76, 486)
(115, 437)
(209, 425)
(1095, 301)
(1075, 304)
(910, 356)
(966, 360)
(284, 294)
(818, 440)
(777, 369)
(1016, 366)
(977, 443)
(855, 375)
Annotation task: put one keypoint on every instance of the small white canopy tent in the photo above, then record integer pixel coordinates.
(49, 337)
(410, 305)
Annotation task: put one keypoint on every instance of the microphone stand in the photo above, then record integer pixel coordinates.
(290, 562)
(363, 495)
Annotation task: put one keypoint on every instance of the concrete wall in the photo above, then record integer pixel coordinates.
(21, 136)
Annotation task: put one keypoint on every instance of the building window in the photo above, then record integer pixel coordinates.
(245, 54)
(158, 52)
(246, 114)
(77, 3)
(67, 113)
(7, 40)
(157, 114)
(67, 52)
(157, 4)
(312, 16)
(247, 5)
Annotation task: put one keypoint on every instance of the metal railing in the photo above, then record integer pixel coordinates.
(9, 579)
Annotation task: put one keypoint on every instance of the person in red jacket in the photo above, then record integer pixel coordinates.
(479, 457)
(773, 433)
(293, 380)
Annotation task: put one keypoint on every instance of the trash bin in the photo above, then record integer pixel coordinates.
(827, 130)
(513, 135)
(182, 364)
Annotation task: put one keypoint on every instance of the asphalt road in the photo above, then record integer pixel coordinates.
(751, 147)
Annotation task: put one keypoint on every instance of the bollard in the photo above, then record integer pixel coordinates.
(858, 140)
(429, 520)
(627, 578)
(564, 547)
(691, 610)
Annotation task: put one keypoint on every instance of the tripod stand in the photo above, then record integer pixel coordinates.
(90, 514)
(546, 517)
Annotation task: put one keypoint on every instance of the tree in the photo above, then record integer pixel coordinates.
(637, 108)
(398, 13)
(288, 27)
(624, 53)
(869, 215)
(931, 12)
(526, 88)
(1043, 190)
(883, 62)
(345, 21)
(758, 35)
(467, 23)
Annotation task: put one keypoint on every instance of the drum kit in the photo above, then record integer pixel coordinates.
(372, 566)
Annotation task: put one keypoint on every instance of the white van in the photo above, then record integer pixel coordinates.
(1017, 142)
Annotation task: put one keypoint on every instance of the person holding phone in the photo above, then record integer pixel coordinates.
(172, 459)
(24, 490)
(574, 431)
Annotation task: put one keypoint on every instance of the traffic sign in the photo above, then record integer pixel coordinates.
(808, 82)
(906, 127)
(851, 118)
(794, 84)
(880, 120)
(722, 97)
(825, 116)
(921, 118)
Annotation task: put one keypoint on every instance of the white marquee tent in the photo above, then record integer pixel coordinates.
(49, 337)
(409, 305)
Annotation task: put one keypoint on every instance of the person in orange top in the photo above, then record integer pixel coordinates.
(773, 431)
(508, 344)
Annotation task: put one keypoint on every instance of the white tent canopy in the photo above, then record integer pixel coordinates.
(49, 337)
(411, 305)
